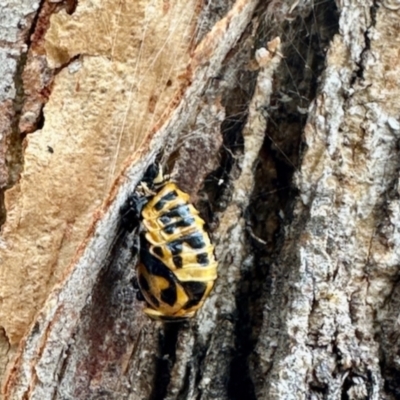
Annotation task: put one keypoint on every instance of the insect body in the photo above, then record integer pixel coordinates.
(177, 267)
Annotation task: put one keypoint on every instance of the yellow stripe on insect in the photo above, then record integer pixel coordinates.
(205, 274)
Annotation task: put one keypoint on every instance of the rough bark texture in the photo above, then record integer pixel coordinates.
(282, 122)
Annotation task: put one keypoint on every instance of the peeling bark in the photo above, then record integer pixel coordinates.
(282, 122)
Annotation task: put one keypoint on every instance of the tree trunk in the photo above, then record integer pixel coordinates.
(282, 123)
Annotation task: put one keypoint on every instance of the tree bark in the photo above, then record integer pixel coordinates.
(282, 123)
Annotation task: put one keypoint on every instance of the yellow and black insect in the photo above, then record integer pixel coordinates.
(177, 266)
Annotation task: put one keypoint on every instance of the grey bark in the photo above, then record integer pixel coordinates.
(303, 206)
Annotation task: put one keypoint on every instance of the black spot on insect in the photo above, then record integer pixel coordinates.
(194, 240)
(195, 291)
(169, 295)
(177, 261)
(175, 246)
(202, 259)
(50, 149)
(143, 283)
(156, 267)
(179, 212)
(153, 299)
(169, 229)
(182, 211)
(183, 223)
(165, 199)
(165, 219)
(158, 251)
